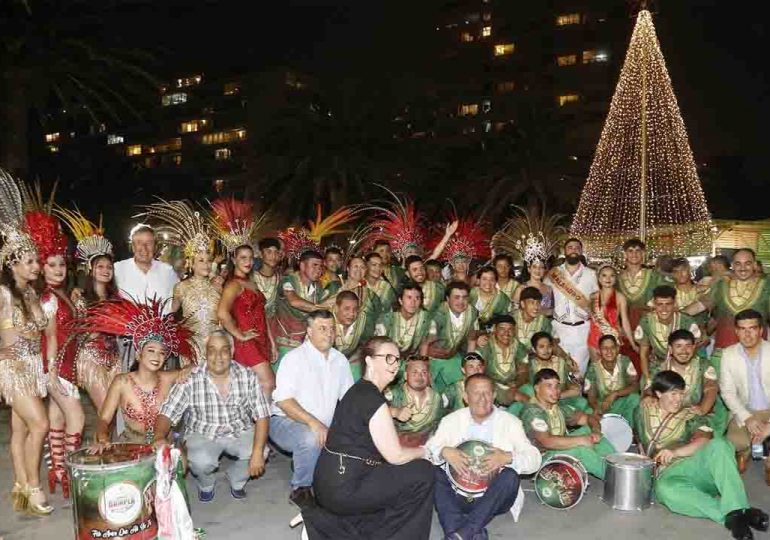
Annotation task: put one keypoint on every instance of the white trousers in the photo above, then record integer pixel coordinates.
(574, 340)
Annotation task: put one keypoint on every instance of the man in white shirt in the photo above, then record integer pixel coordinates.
(143, 277)
(572, 284)
(744, 381)
(310, 381)
(463, 516)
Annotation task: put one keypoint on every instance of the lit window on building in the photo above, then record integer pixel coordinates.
(566, 60)
(52, 137)
(568, 18)
(468, 109)
(221, 137)
(170, 145)
(486, 31)
(53, 148)
(505, 87)
(486, 106)
(232, 88)
(593, 56)
(134, 150)
(566, 99)
(192, 80)
(293, 81)
(219, 184)
(174, 99)
(466, 37)
(222, 154)
(504, 49)
(114, 139)
(192, 126)
(177, 159)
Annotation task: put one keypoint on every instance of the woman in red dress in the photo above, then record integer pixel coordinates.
(609, 312)
(242, 313)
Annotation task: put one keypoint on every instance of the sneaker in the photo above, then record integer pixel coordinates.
(206, 495)
(237, 493)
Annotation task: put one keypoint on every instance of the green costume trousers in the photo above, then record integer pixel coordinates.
(706, 484)
(625, 407)
(445, 372)
(591, 458)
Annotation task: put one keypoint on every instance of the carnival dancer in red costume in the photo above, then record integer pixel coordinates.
(609, 313)
(97, 361)
(242, 306)
(65, 412)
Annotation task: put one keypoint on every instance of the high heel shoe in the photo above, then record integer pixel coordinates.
(55, 459)
(37, 509)
(18, 498)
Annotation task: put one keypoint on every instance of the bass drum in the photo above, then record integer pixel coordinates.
(617, 431)
(476, 483)
(561, 482)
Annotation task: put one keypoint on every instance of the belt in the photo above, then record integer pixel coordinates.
(571, 323)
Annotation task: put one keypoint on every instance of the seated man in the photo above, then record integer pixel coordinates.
(744, 380)
(696, 475)
(529, 316)
(223, 401)
(310, 381)
(546, 420)
(414, 405)
(472, 363)
(611, 384)
(464, 517)
(507, 362)
(354, 326)
(543, 357)
(432, 291)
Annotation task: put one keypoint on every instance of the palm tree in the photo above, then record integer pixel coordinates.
(46, 61)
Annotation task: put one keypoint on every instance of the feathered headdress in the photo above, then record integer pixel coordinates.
(468, 242)
(182, 226)
(533, 235)
(143, 322)
(235, 223)
(399, 223)
(16, 240)
(298, 240)
(89, 236)
(43, 227)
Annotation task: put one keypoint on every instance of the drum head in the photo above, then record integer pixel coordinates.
(114, 454)
(617, 431)
(560, 484)
(476, 481)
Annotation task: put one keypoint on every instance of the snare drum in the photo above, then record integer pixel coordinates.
(476, 483)
(561, 482)
(617, 431)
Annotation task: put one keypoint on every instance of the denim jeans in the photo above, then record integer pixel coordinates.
(296, 438)
(203, 457)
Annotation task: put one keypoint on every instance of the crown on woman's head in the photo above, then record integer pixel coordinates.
(532, 247)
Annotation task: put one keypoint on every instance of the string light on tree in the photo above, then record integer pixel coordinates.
(643, 181)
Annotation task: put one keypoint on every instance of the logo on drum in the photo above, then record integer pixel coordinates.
(121, 503)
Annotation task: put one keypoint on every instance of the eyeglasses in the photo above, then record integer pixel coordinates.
(390, 359)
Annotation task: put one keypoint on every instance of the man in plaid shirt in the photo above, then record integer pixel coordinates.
(227, 414)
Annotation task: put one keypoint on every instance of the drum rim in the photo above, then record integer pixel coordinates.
(581, 471)
(448, 470)
(648, 462)
(92, 467)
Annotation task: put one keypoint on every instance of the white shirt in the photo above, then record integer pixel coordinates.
(564, 309)
(316, 382)
(483, 431)
(158, 282)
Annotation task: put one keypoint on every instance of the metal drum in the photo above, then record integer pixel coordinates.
(617, 431)
(476, 483)
(628, 481)
(113, 494)
(561, 482)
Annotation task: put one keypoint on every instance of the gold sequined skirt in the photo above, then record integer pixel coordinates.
(95, 366)
(22, 376)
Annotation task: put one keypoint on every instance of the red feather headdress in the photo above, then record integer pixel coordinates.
(235, 223)
(400, 224)
(44, 229)
(298, 240)
(143, 322)
(470, 241)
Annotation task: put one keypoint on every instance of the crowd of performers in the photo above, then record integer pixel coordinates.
(371, 364)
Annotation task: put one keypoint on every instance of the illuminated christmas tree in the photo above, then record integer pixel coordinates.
(643, 182)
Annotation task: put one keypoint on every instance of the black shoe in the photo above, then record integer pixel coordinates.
(206, 496)
(302, 497)
(237, 493)
(737, 523)
(757, 519)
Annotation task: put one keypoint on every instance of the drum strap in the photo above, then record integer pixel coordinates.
(658, 433)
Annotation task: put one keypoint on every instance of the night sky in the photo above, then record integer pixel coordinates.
(715, 52)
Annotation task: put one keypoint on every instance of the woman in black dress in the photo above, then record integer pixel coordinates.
(366, 484)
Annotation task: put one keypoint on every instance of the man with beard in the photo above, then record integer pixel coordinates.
(378, 283)
(452, 334)
(354, 326)
(300, 293)
(433, 270)
(392, 272)
(415, 406)
(506, 362)
(332, 265)
(572, 283)
(654, 328)
(432, 291)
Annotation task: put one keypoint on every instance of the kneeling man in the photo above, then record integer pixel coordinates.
(228, 414)
(461, 516)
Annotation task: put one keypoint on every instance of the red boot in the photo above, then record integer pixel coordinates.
(72, 442)
(55, 458)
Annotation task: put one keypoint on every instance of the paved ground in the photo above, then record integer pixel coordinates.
(266, 512)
